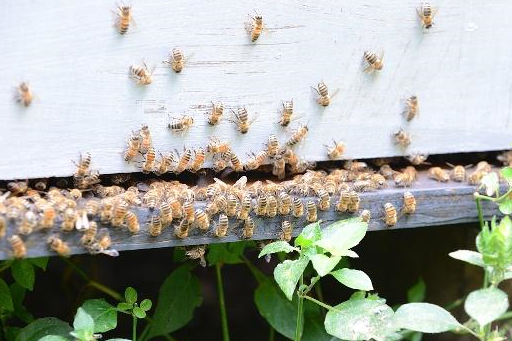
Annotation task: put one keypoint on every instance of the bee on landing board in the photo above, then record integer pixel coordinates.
(248, 228)
(418, 159)
(439, 174)
(58, 245)
(374, 61)
(255, 26)
(286, 231)
(390, 215)
(365, 216)
(458, 172)
(409, 203)
(324, 98)
(141, 74)
(426, 13)
(19, 250)
(124, 18)
(24, 94)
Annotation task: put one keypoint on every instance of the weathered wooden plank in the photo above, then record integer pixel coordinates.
(437, 204)
(78, 66)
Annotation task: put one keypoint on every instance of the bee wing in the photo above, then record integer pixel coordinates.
(240, 183)
(110, 252)
(82, 223)
(222, 183)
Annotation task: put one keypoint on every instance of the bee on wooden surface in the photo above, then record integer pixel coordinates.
(48, 218)
(418, 159)
(165, 164)
(426, 13)
(297, 207)
(261, 205)
(387, 172)
(124, 18)
(390, 216)
(183, 161)
(27, 224)
(365, 216)
(402, 138)
(89, 235)
(75, 194)
(458, 172)
(151, 199)
(218, 204)
(92, 207)
(506, 158)
(286, 231)
(176, 207)
(285, 203)
(374, 61)
(132, 222)
(147, 141)
(221, 229)
(176, 60)
(17, 187)
(134, 144)
(475, 177)
(298, 135)
(324, 202)
(87, 181)
(3, 226)
(82, 167)
(155, 225)
(181, 230)
(272, 145)
(363, 186)
(165, 213)
(202, 220)
(103, 243)
(68, 220)
(199, 158)
(311, 211)
(286, 113)
(24, 94)
(483, 166)
(254, 27)
(245, 207)
(336, 150)
(324, 99)
(19, 250)
(120, 210)
(216, 146)
(58, 245)
(439, 174)
(404, 179)
(278, 167)
(256, 160)
(412, 108)
(141, 74)
(41, 184)
(188, 211)
(355, 166)
(197, 252)
(248, 228)
(235, 162)
(378, 180)
(149, 161)
(215, 115)
(241, 119)
(409, 203)
(271, 206)
(291, 158)
(107, 210)
(355, 200)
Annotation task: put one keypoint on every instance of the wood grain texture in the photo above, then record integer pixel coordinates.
(78, 67)
(437, 204)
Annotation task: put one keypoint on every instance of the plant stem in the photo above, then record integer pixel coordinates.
(134, 328)
(271, 334)
(298, 331)
(222, 304)
(471, 332)
(258, 275)
(505, 316)
(322, 304)
(480, 214)
(5, 265)
(103, 288)
(498, 199)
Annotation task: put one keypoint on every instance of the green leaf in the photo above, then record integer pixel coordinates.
(425, 318)
(506, 206)
(486, 305)
(40, 262)
(103, 314)
(43, 327)
(139, 312)
(313, 329)
(5, 297)
(278, 246)
(23, 273)
(123, 306)
(417, 292)
(83, 321)
(471, 257)
(18, 295)
(146, 304)
(119, 340)
(179, 295)
(354, 279)
(287, 274)
(506, 172)
(11, 332)
(226, 253)
(130, 295)
(310, 234)
(324, 264)
(491, 183)
(360, 319)
(54, 338)
(339, 237)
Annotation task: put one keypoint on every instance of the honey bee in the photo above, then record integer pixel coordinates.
(184, 160)
(132, 222)
(255, 27)
(412, 108)
(106, 210)
(215, 115)
(387, 172)
(147, 141)
(165, 163)
(92, 207)
(256, 160)
(221, 229)
(82, 168)
(103, 243)
(324, 99)
(325, 200)
(378, 180)
(405, 179)
(506, 158)
(149, 161)
(390, 216)
(134, 144)
(155, 225)
(199, 158)
(476, 177)
(48, 218)
(248, 228)
(27, 223)
(418, 159)
(272, 145)
(218, 204)
(458, 172)
(335, 151)
(18, 247)
(439, 174)
(24, 94)
(402, 138)
(120, 210)
(241, 119)
(150, 198)
(176, 59)
(261, 205)
(271, 206)
(89, 235)
(297, 208)
(343, 201)
(245, 207)
(165, 213)
(176, 207)
(365, 216)
(311, 211)
(202, 220)
(216, 146)
(235, 162)
(286, 113)
(124, 18)
(374, 61)
(426, 14)
(286, 231)
(188, 210)
(58, 245)
(3, 226)
(409, 203)
(353, 205)
(69, 220)
(298, 135)
(278, 167)
(483, 166)
(141, 74)
(355, 166)
(363, 186)
(285, 203)
(197, 252)
(181, 230)
(182, 124)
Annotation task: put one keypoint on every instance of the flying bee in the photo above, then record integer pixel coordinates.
(202, 220)
(286, 113)
(235, 162)
(176, 59)
(215, 115)
(183, 161)
(354, 202)
(241, 119)
(199, 158)
(355, 166)
(124, 18)
(365, 216)
(298, 135)
(418, 159)
(272, 145)
(68, 220)
(221, 229)
(439, 174)
(182, 124)
(165, 163)
(147, 141)
(48, 218)
(458, 172)
(374, 61)
(286, 231)
(285, 203)
(82, 168)
(271, 206)
(248, 228)
(278, 167)
(256, 160)
(335, 151)
(120, 210)
(197, 252)
(149, 161)
(412, 108)
(390, 216)
(24, 94)
(216, 146)
(19, 250)
(426, 14)
(155, 225)
(245, 207)
(325, 200)
(134, 144)
(311, 211)
(141, 74)
(324, 99)
(181, 230)
(254, 27)
(132, 222)
(402, 138)
(297, 208)
(188, 211)
(261, 205)
(58, 245)
(409, 203)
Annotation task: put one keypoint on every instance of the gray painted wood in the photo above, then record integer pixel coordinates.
(78, 68)
(437, 204)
